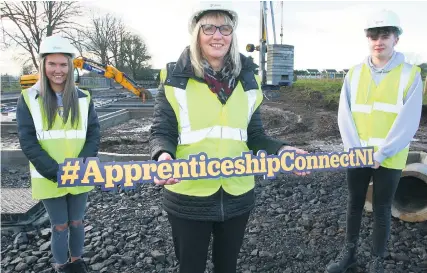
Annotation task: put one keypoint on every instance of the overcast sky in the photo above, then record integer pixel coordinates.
(326, 35)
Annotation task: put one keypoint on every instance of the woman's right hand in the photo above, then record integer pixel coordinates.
(170, 181)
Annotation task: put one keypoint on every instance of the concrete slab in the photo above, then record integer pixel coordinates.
(8, 127)
(19, 209)
(16, 200)
(113, 119)
(13, 157)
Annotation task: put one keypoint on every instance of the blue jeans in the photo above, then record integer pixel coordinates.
(385, 182)
(66, 215)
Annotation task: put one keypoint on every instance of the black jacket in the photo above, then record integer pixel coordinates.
(164, 138)
(41, 160)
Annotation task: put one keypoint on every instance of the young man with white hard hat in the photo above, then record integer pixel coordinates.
(380, 107)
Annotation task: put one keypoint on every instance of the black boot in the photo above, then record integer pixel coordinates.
(345, 260)
(66, 268)
(377, 265)
(79, 266)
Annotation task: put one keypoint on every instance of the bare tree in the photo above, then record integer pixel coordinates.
(105, 39)
(27, 69)
(34, 21)
(116, 44)
(135, 53)
(98, 37)
(77, 39)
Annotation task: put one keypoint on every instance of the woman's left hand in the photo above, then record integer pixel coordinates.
(377, 165)
(298, 151)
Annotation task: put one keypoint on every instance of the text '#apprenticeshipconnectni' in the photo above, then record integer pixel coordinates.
(91, 172)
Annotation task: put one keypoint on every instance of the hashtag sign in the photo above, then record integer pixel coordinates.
(70, 172)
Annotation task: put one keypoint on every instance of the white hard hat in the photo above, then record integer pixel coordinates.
(384, 18)
(56, 44)
(203, 7)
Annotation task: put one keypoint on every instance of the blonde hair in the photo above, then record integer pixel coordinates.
(196, 56)
(70, 99)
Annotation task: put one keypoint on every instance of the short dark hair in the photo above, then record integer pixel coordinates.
(374, 33)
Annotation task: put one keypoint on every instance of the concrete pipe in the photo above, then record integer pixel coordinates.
(410, 200)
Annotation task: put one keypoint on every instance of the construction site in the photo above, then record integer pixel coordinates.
(298, 224)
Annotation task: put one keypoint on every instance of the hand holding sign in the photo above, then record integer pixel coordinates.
(298, 151)
(170, 181)
(167, 171)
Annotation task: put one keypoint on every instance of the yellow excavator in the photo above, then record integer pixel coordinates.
(107, 71)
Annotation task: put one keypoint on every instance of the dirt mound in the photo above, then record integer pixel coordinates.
(277, 121)
(292, 117)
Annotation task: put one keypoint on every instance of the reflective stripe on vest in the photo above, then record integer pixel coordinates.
(188, 136)
(385, 107)
(378, 106)
(374, 114)
(374, 142)
(56, 134)
(35, 174)
(63, 141)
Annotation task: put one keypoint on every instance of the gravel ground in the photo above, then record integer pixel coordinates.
(127, 138)
(298, 224)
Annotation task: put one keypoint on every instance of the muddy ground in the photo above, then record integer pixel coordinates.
(304, 122)
(297, 226)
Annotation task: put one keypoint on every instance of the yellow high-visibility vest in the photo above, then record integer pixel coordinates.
(60, 142)
(206, 125)
(375, 107)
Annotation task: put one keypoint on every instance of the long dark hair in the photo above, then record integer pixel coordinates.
(69, 98)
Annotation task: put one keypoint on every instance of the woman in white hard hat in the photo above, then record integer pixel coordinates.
(56, 120)
(209, 102)
(380, 106)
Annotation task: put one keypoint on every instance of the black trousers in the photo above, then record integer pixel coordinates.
(385, 182)
(191, 240)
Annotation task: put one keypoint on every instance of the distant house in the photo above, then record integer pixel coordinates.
(320, 74)
(301, 72)
(341, 74)
(313, 74)
(329, 73)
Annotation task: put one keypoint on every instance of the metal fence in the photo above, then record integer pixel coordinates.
(10, 83)
(92, 82)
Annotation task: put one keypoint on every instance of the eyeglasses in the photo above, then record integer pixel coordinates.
(211, 29)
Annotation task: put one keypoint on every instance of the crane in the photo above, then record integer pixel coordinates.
(105, 70)
(263, 40)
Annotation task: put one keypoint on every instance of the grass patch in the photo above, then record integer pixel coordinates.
(327, 90)
(319, 91)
